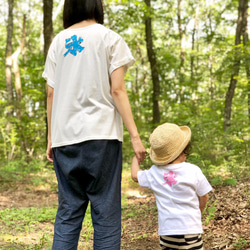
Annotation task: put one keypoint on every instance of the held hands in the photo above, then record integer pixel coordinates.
(140, 151)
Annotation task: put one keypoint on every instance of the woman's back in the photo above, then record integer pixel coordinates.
(78, 67)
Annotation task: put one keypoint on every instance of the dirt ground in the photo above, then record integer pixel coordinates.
(226, 226)
(226, 222)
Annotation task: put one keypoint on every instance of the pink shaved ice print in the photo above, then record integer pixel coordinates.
(170, 178)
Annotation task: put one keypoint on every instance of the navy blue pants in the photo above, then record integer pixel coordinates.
(88, 171)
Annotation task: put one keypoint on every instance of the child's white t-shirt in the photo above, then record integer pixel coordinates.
(176, 188)
(78, 67)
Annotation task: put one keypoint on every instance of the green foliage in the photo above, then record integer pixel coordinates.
(138, 210)
(87, 231)
(216, 181)
(240, 244)
(17, 223)
(26, 217)
(209, 212)
(230, 181)
(192, 92)
(19, 169)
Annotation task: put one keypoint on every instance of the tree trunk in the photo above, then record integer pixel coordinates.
(246, 53)
(47, 24)
(16, 71)
(18, 85)
(236, 67)
(192, 53)
(153, 65)
(181, 36)
(210, 59)
(182, 31)
(48, 37)
(192, 56)
(8, 60)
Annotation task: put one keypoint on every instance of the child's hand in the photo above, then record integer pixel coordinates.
(134, 169)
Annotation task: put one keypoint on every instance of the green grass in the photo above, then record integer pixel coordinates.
(18, 223)
(240, 244)
(32, 227)
(21, 218)
(27, 228)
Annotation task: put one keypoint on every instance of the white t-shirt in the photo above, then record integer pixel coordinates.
(176, 188)
(78, 67)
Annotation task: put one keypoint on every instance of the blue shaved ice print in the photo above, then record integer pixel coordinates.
(73, 45)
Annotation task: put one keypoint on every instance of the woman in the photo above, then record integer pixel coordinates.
(87, 104)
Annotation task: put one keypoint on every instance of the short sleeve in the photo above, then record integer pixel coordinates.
(203, 186)
(144, 178)
(50, 65)
(120, 55)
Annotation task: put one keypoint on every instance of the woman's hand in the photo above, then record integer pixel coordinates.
(49, 152)
(140, 151)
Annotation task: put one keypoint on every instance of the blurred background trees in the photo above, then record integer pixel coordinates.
(192, 68)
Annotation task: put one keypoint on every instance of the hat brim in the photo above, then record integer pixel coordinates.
(164, 161)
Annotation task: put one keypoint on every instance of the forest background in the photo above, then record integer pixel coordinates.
(192, 68)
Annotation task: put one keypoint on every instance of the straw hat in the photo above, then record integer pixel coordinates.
(167, 142)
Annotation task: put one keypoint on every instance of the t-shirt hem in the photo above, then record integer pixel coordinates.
(139, 176)
(184, 232)
(126, 63)
(61, 144)
(49, 81)
(206, 192)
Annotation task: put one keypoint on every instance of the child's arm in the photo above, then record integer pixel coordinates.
(203, 201)
(134, 169)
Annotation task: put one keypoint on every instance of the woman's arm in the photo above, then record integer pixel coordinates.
(121, 100)
(50, 95)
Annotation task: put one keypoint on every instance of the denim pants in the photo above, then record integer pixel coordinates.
(88, 171)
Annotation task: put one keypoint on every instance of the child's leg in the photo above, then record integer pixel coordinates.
(176, 242)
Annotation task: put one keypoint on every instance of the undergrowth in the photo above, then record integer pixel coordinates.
(32, 227)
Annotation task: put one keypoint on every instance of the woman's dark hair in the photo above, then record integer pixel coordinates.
(75, 11)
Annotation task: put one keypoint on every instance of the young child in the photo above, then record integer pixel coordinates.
(180, 188)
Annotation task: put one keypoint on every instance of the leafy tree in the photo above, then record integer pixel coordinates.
(192, 60)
